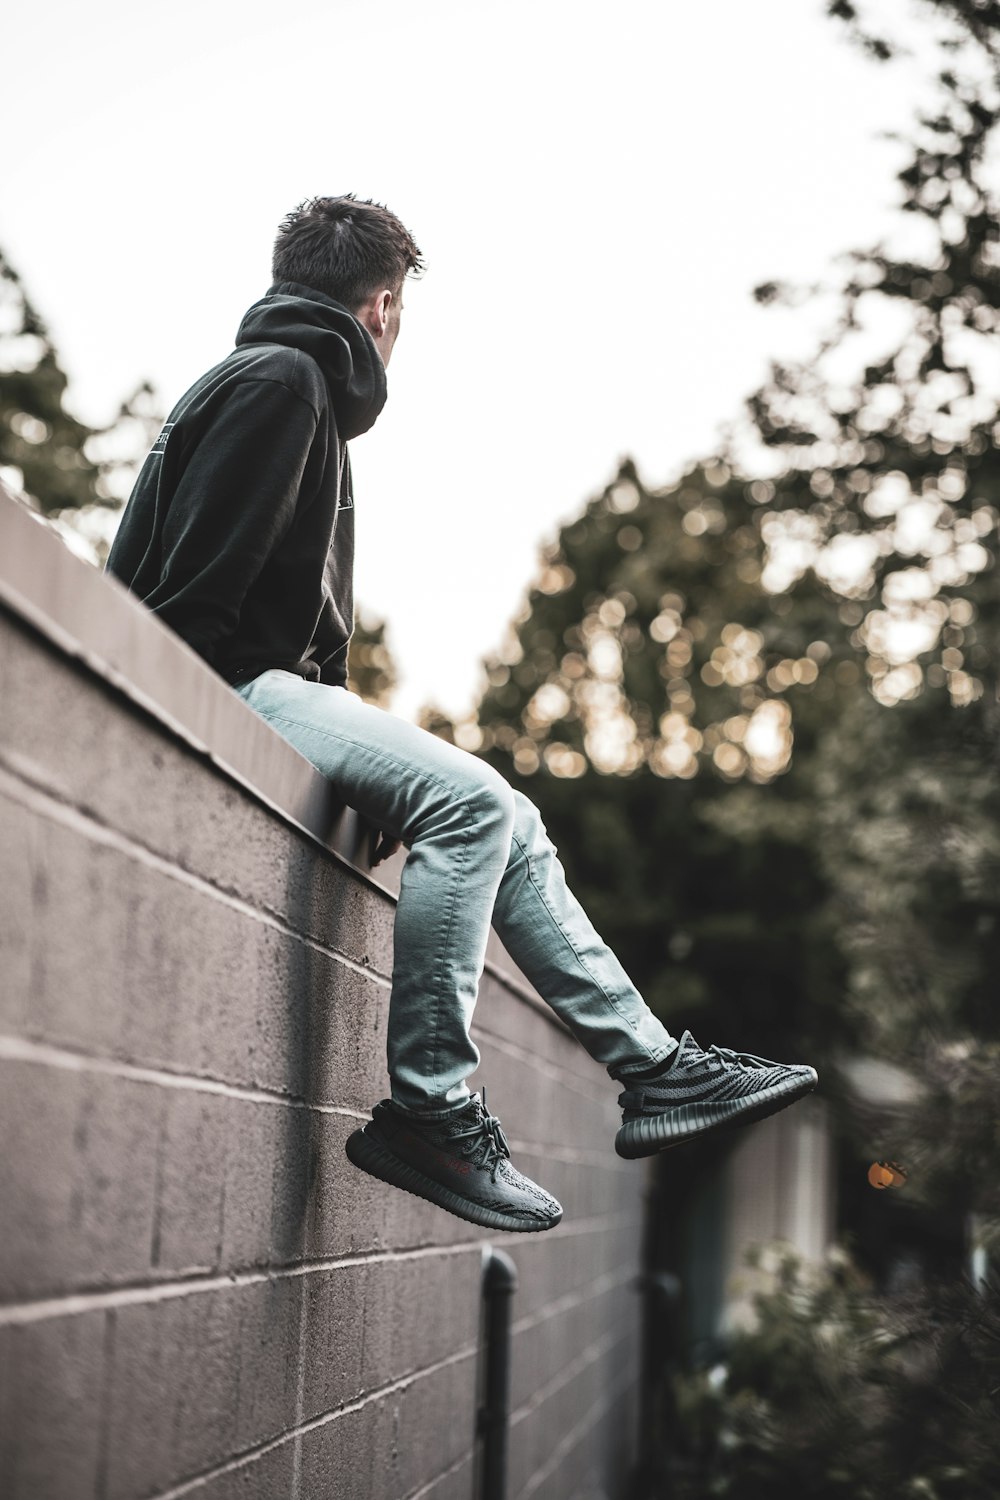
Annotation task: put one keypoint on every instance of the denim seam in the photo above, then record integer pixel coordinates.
(407, 766)
(442, 950)
(345, 739)
(578, 955)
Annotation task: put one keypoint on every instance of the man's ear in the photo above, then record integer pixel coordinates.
(382, 305)
(374, 313)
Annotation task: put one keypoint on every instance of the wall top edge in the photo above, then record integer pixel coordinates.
(92, 618)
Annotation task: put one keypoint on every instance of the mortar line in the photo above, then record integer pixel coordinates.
(568, 1372)
(73, 1304)
(300, 1404)
(577, 1083)
(24, 791)
(249, 1455)
(603, 1403)
(35, 621)
(76, 1059)
(47, 1054)
(425, 1489)
(137, 1294)
(590, 1292)
(605, 1160)
(104, 1410)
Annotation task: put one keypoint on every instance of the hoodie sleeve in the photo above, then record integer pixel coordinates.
(233, 502)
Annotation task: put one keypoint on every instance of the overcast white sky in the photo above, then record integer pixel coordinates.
(596, 189)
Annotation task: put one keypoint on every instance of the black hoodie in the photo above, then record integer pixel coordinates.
(239, 531)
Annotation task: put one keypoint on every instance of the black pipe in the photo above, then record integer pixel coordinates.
(499, 1284)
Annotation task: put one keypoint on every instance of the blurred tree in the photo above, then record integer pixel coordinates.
(41, 444)
(648, 702)
(759, 712)
(75, 475)
(901, 468)
(671, 692)
(371, 669)
(908, 818)
(897, 470)
(436, 721)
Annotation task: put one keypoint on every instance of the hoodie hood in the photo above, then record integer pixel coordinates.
(301, 318)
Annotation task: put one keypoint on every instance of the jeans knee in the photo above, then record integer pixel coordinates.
(493, 799)
(528, 823)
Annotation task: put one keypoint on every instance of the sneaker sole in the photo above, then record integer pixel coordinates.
(372, 1156)
(651, 1133)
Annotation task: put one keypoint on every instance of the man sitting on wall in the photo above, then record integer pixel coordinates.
(239, 533)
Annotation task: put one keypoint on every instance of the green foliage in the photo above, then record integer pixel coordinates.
(38, 437)
(837, 1392)
(951, 1134)
(649, 705)
(916, 434)
(371, 669)
(436, 721)
(760, 712)
(908, 817)
(76, 475)
(759, 708)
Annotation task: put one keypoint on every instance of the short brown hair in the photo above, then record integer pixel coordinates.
(345, 247)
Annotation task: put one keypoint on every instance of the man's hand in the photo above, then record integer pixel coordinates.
(382, 846)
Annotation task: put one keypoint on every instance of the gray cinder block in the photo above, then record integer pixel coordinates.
(53, 1375)
(196, 1287)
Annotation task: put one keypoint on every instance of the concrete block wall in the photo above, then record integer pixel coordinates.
(199, 1295)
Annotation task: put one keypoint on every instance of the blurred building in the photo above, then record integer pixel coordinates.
(790, 1183)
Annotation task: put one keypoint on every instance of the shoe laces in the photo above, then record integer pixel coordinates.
(727, 1055)
(492, 1139)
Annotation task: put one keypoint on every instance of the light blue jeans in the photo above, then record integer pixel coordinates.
(477, 853)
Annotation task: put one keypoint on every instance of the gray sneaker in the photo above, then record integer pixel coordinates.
(703, 1091)
(461, 1163)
